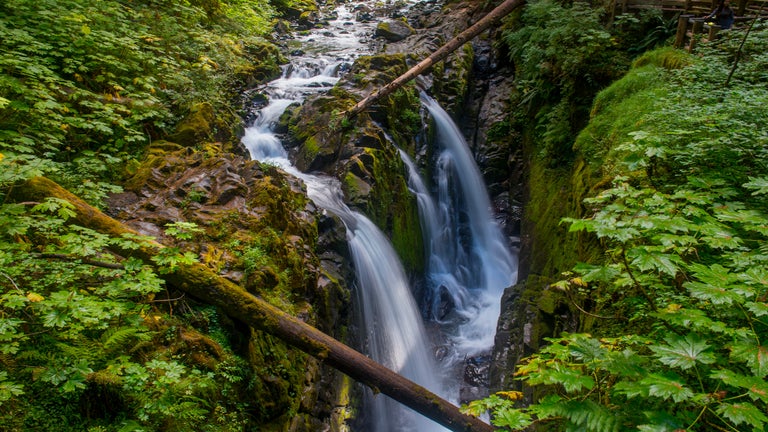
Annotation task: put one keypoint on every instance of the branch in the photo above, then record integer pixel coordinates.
(487, 21)
(741, 46)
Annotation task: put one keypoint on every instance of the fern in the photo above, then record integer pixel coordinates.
(118, 338)
(683, 231)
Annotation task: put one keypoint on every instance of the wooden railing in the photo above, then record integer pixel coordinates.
(697, 7)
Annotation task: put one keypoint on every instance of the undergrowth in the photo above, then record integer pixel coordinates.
(681, 291)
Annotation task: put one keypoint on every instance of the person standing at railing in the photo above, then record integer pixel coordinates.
(723, 14)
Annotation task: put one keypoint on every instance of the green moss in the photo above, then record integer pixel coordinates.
(619, 109)
(667, 57)
(294, 8)
(394, 209)
(198, 125)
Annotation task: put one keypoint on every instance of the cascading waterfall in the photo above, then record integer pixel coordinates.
(394, 332)
(469, 263)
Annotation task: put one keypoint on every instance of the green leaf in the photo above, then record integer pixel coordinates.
(715, 294)
(511, 418)
(757, 388)
(743, 412)
(695, 319)
(759, 309)
(754, 355)
(587, 349)
(587, 225)
(759, 184)
(756, 276)
(667, 387)
(646, 259)
(683, 352)
(591, 273)
(8, 388)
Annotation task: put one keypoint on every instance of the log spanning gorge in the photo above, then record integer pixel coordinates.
(468, 260)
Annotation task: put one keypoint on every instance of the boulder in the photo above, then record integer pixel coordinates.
(197, 126)
(394, 30)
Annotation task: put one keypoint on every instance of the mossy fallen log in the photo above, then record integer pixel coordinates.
(200, 282)
(440, 54)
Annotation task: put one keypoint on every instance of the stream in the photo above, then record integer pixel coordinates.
(468, 263)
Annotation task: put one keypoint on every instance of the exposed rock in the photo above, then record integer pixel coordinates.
(394, 30)
(527, 317)
(469, 394)
(261, 230)
(356, 190)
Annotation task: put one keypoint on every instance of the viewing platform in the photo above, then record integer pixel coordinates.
(691, 26)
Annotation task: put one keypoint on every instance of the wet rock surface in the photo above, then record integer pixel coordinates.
(394, 30)
(256, 222)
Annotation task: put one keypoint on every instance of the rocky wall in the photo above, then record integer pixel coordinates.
(256, 227)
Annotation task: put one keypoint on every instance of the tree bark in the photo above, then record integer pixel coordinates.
(493, 17)
(200, 282)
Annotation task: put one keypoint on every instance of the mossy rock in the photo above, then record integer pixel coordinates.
(356, 190)
(265, 60)
(394, 30)
(390, 204)
(292, 9)
(453, 77)
(197, 126)
(377, 70)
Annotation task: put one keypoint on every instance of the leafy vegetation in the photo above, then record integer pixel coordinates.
(91, 340)
(563, 54)
(681, 290)
(85, 346)
(85, 85)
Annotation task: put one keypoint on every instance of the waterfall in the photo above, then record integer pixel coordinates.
(394, 334)
(393, 330)
(469, 263)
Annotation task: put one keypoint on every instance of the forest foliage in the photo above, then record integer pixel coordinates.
(681, 290)
(85, 85)
(678, 301)
(88, 339)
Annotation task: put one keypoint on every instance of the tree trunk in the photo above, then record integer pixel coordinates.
(493, 17)
(200, 282)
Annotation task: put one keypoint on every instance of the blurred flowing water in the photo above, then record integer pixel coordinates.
(469, 264)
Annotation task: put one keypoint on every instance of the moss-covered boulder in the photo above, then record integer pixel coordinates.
(197, 126)
(394, 30)
(292, 9)
(265, 60)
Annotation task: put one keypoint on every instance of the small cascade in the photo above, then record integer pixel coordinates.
(393, 330)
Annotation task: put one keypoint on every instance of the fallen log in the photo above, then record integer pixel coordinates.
(200, 282)
(441, 53)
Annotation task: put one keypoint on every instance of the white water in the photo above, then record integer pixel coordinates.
(469, 256)
(468, 259)
(394, 333)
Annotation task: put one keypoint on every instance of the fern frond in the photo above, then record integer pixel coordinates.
(121, 337)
